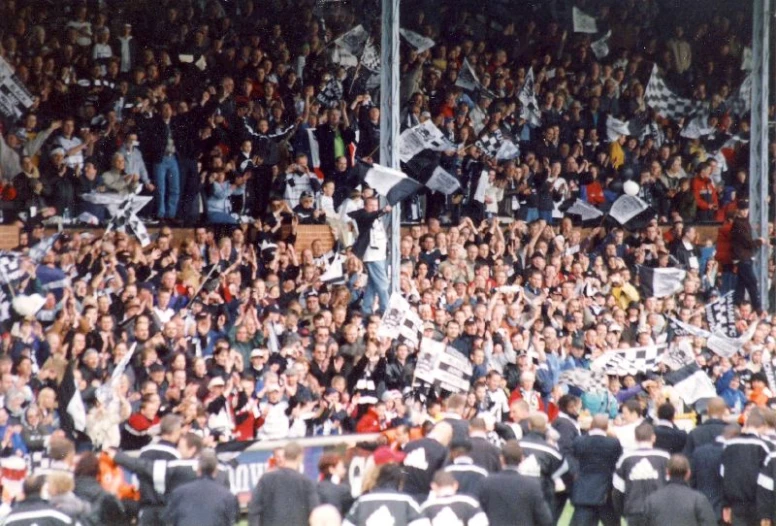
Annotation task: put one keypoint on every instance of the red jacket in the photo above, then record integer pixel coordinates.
(370, 423)
(705, 193)
(595, 193)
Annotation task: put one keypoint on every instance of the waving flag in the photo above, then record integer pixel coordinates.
(664, 101)
(583, 23)
(527, 97)
(419, 42)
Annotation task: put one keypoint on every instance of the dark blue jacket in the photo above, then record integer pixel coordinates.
(596, 456)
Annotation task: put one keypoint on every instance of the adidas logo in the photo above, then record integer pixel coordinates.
(380, 517)
(446, 517)
(530, 467)
(417, 459)
(643, 470)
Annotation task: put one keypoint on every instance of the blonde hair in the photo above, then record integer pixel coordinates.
(59, 483)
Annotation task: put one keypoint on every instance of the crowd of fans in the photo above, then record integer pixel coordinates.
(206, 108)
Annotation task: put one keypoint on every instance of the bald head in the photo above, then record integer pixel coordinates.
(325, 515)
(716, 407)
(538, 422)
(600, 422)
(442, 433)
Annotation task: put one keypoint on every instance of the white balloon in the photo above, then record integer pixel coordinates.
(630, 188)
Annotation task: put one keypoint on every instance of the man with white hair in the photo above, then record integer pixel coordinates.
(525, 391)
(325, 515)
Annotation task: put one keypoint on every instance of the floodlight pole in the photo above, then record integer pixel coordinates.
(758, 152)
(389, 118)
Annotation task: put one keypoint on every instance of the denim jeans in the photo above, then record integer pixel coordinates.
(190, 190)
(747, 282)
(220, 218)
(376, 284)
(168, 187)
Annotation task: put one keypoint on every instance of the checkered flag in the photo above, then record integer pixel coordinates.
(740, 102)
(331, 94)
(370, 58)
(10, 270)
(491, 142)
(665, 102)
(527, 97)
(126, 217)
(721, 315)
(5, 306)
(621, 362)
(585, 380)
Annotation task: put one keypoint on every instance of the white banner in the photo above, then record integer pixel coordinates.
(443, 182)
(424, 136)
(626, 208)
(443, 367)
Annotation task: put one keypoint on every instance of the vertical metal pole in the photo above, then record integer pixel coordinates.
(758, 154)
(389, 117)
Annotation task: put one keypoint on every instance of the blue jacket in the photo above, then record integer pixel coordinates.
(734, 398)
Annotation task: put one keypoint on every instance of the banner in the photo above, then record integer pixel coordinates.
(721, 315)
(443, 182)
(14, 95)
(443, 367)
(247, 462)
(424, 136)
(583, 23)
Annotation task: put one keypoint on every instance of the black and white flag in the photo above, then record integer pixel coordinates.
(583, 23)
(443, 182)
(507, 151)
(691, 383)
(665, 102)
(334, 273)
(678, 355)
(679, 329)
(661, 282)
(354, 40)
(740, 101)
(600, 47)
(443, 367)
(401, 321)
(490, 143)
(725, 346)
(616, 127)
(584, 210)
(15, 98)
(392, 184)
(698, 126)
(467, 78)
(73, 418)
(424, 136)
(331, 94)
(721, 315)
(620, 362)
(125, 217)
(10, 270)
(43, 247)
(370, 58)
(529, 105)
(626, 208)
(586, 380)
(418, 42)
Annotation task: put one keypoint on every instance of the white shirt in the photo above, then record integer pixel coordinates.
(72, 161)
(378, 243)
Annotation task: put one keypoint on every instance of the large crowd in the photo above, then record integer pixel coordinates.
(215, 111)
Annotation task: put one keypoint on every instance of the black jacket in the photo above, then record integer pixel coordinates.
(364, 221)
(706, 433)
(202, 501)
(766, 501)
(338, 495)
(543, 461)
(705, 463)
(282, 498)
(34, 511)
(468, 475)
(425, 456)
(509, 498)
(669, 438)
(167, 475)
(677, 503)
(392, 508)
(326, 136)
(161, 450)
(485, 454)
(639, 473)
(596, 457)
(742, 458)
(568, 430)
(465, 509)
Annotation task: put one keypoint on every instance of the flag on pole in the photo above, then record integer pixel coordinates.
(691, 383)
(392, 184)
(507, 151)
(665, 102)
(698, 126)
(331, 94)
(616, 127)
(417, 41)
(600, 47)
(43, 247)
(490, 143)
(334, 273)
(370, 58)
(661, 282)
(583, 23)
(721, 315)
(73, 418)
(467, 78)
(619, 362)
(354, 40)
(527, 96)
(424, 136)
(740, 101)
(584, 210)
(443, 182)
(627, 207)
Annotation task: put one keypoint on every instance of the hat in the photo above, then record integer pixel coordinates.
(159, 368)
(569, 318)
(460, 280)
(386, 455)
(273, 388)
(216, 382)
(312, 293)
(204, 315)
(330, 391)
(429, 326)
(57, 151)
(273, 309)
(634, 305)
(258, 352)
(470, 321)
(615, 327)
(742, 204)
(306, 195)
(391, 395)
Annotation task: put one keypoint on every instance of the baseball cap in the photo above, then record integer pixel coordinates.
(742, 204)
(258, 352)
(386, 455)
(216, 382)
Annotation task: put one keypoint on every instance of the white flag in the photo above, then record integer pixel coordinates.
(585, 210)
(354, 40)
(583, 23)
(726, 347)
(467, 78)
(343, 57)
(419, 42)
(507, 151)
(601, 46)
(370, 58)
(626, 208)
(527, 97)
(424, 136)
(443, 182)
(697, 127)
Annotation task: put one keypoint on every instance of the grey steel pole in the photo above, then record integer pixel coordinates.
(389, 117)
(758, 153)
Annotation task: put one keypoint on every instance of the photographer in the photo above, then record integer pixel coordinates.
(299, 180)
(219, 207)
